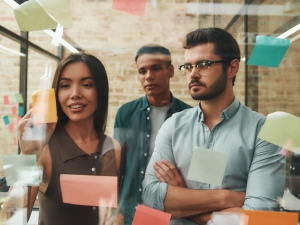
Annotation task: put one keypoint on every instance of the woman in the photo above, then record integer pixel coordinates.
(77, 143)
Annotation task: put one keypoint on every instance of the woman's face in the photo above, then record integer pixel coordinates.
(77, 92)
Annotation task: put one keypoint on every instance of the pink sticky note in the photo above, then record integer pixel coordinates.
(148, 216)
(89, 190)
(11, 127)
(5, 99)
(135, 7)
(14, 110)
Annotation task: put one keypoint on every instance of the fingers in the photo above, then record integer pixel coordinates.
(164, 171)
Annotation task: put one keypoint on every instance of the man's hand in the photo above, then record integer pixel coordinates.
(31, 147)
(166, 172)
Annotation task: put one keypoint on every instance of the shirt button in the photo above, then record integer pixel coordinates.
(142, 172)
(148, 108)
(148, 118)
(95, 157)
(94, 207)
(206, 130)
(93, 169)
(145, 154)
(148, 135)
(140, 189)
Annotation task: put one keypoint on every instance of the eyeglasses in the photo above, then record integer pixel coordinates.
(203, 67)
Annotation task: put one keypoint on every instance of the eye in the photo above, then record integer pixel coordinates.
(88, 85)
(157, 68)
(203, 64)
(64, 86)
(188, 67)
(142, 72)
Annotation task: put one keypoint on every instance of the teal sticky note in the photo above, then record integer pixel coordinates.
(208, 166)
(21, 110)
(268, 51)
(282, 129)
(19, 98)
(6, 120)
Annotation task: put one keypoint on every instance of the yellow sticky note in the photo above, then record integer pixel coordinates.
(31, 16)
(282, 129)
(44, 106)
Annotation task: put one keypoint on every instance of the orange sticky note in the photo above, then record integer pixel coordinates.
(11, 127)
(148, 216)
(89, 190)
(44, 106)
(256, 217)
(135, 7)
(5, 99)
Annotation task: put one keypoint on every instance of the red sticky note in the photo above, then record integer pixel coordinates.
(5, 99)
(256, 217)
(89, 190)
(148, 216)
(14, 110)
(11, 127)
(135, 7)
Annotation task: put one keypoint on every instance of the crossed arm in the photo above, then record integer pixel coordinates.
(196, 205)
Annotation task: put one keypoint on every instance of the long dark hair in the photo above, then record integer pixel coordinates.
(99, 76)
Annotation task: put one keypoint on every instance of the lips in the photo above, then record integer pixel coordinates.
(76, 106)
(150, 85)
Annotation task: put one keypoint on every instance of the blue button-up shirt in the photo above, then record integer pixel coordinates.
(254, 165)
(132, 129)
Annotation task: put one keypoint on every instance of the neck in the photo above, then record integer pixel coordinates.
(81, 131)
(160, 100)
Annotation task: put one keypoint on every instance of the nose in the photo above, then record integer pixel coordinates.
(149, 75)
(194, 73)
(76, 93)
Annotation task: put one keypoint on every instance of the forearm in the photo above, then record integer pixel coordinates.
(184, 202)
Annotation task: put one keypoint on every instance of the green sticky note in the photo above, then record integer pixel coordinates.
(268, 51)
(6, 120)
(19, 98)
(282, 129)
(59, 10)
(31, 16)
(208, 166)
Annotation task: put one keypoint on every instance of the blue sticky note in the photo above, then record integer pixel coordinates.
(21, 110)
(6, 120)
(268, 51)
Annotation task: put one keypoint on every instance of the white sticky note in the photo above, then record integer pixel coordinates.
(22, 170)
(282, 129)
(208, 166)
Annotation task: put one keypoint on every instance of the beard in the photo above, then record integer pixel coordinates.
(215, 90)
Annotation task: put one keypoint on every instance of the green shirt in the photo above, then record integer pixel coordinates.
(132, 129)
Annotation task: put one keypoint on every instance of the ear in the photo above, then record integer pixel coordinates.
(233, 68)
(171, 70)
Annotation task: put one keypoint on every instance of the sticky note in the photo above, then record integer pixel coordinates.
(135, 7)
(256, 217)
(19, 98)
(207, 166)
(44, 107)
(229, 218)
(22, 170)
(21, 110)
(6, 120)
(148, 216)
(5, 100)
(290, 202)
(97, 190)
(268, 51)
(11, 128)
(14, 110)
(282, 129)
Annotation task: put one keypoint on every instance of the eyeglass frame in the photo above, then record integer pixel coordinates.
(182, 67)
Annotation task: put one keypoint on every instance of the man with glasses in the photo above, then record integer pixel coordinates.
(138, 121)
(255, 173)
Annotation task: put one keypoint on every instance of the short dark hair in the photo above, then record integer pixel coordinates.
(225, 45)
(152, 49)
(100, 79)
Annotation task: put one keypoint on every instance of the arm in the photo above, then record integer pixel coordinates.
(179, 201)
(167, 172)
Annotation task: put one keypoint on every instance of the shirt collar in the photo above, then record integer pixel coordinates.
(226, 114)
(146, 105)
(64, 142)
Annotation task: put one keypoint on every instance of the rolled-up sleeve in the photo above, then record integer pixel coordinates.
(154, 191)
(266, 178)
